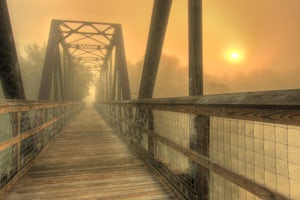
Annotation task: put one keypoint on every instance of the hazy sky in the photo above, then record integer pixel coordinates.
(242, 38)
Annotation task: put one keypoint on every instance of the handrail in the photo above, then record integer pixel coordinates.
(26, 128)
(275, 109)
(25, 105)
(271, 106)
(276, 97)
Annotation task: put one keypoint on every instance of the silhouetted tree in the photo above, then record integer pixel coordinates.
(84, 79)
(31, 68)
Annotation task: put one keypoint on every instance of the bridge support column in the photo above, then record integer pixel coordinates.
(159, 21)
(158, 26)
(9, 67)
(122, 65)
(196, 88)
(201, 146)
(195, 48)
(48, 69)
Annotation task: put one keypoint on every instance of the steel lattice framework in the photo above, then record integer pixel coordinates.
(79, 50)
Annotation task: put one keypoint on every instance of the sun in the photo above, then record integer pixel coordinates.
(234, 56)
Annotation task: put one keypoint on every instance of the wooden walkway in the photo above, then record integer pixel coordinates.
(88, 160)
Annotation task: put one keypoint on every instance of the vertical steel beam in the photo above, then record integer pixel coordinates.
(104, 81)
(196, 88)
(9, 67)
(151, 141)
(65, 76)
(122, 65)
(195, 47)
(46, 81)
(110, 61)
(159, 21)
(114, 83)
(70, 75)
(202, 147)
(103, 85)
(55, 83)
(60, 75)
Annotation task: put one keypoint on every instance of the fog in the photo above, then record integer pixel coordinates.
(172, 79)
(265, 35)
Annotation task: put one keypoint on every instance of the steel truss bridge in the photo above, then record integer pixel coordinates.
(229, 146)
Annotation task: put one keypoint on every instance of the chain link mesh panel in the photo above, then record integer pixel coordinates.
(26, 130)
(266, 154)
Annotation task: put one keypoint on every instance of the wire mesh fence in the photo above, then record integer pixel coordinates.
(25, 129)
(235, 159)
(267, 153)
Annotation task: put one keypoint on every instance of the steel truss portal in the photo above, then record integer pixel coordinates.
(79, 50)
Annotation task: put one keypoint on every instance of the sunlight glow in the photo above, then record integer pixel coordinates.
(234, 56)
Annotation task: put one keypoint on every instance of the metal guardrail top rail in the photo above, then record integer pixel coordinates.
(276, 97)
(267, 106)
(24, 105)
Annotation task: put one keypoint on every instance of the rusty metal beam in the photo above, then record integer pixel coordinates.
(122, 65)
(114, 80)
(195, 47)
(84, 50)
(9, 67)
(159, 21)
(196, 88)
(201, 146)
(48, 69)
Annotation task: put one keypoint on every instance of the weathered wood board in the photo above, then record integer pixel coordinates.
(89, 161)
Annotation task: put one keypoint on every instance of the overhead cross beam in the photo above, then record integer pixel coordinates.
(85, 46)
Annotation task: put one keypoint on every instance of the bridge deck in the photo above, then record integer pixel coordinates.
(89, 161)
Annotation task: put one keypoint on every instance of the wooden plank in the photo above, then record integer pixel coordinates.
(87, 161)
(263, 98)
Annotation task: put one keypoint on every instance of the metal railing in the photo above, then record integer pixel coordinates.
(25, 129)
(234, 146)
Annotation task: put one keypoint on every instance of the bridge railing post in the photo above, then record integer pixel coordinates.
(120, 118)
(200, 144)
(151, 138)
(19, 142)
(129, 117)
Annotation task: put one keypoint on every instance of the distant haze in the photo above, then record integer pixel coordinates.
(172, 79)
